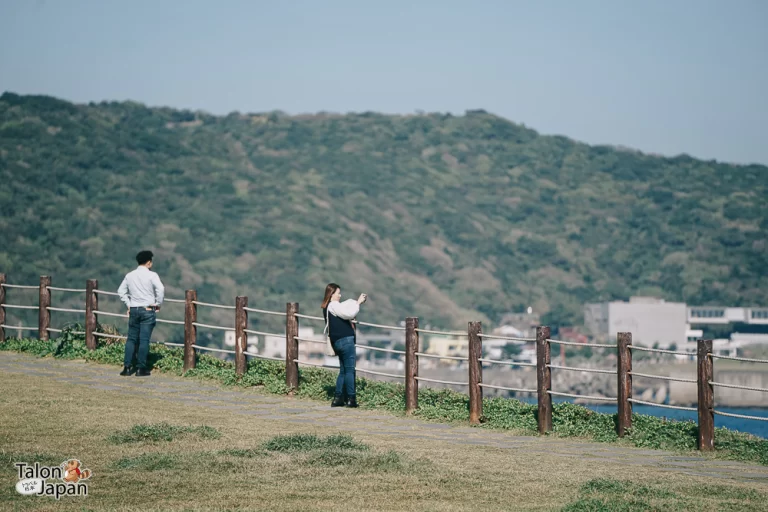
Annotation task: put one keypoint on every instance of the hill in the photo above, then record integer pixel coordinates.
(449, 218)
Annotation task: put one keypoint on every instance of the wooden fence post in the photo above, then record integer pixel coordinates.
(44, 316)
(190, 329)
(91, 305)
(291, 345)
(705, 373)
(624, 367)
(241, 338)
(411, 364)
(543, 378)
(2, 307)
(475, 372)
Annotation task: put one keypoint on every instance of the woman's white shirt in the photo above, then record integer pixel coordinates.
(346, 310)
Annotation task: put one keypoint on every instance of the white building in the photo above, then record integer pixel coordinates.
(650, 320)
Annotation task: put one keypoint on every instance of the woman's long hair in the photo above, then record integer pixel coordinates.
(329, 291)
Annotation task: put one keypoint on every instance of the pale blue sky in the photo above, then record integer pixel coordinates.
(664, 76)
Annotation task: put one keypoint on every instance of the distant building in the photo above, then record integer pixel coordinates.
(727, 315)
(454, 346)
(650, 320)
(493, 348)
(274, 346)
(524, 323)
(229, 339)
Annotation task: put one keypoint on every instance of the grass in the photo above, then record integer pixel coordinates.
(256, 463)
(310, 442)
(610, 495)
(569, 420)
(160, 432)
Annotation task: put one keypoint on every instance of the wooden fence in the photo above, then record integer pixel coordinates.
(412, 354)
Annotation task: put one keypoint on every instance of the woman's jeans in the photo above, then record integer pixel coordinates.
(345, 349)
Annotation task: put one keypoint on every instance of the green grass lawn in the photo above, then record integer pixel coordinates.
(151, 454)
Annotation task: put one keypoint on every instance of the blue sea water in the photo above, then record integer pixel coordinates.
(756, 427)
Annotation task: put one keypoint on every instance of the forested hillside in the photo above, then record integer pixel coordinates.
(449, 218)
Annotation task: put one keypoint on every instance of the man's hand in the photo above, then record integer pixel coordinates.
(363, 297)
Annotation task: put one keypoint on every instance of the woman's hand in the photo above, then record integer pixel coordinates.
(363, 297)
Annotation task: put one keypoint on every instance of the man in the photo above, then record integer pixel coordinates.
(142, 293)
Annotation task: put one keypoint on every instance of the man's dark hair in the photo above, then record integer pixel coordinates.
(144, 256)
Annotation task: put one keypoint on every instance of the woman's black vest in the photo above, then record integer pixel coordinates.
(338, 328)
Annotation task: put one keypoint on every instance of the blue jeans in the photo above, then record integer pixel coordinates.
(141, 323)
(345, 382)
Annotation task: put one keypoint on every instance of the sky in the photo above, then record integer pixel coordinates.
(662, 76)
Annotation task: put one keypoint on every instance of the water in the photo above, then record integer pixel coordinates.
(756, 427)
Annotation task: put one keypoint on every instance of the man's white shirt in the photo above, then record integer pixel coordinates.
(141, 288)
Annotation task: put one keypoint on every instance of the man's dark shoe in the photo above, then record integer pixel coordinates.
(143, 372)
(338, 401)
(351, 402)
(126, 371)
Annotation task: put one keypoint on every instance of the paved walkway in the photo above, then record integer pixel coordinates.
(274, 407)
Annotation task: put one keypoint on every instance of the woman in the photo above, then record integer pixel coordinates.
(338, 316)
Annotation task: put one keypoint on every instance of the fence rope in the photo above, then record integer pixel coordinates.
(18, 306)
(442, 381)
(259, 356)
(435, 356)
(170, 344)
(743, 416)
(444, 333)
(390, 327)
(665, 406)
(179, 301)
(104, 335)
(506, 338)
(211, 349)
(196, 324)
(19, 328)
(736, 386)
(107, 313)
(260, 333)
(514, 363)
(662, 377)
(587, 397)
(598, 345)
(518, 390)
(210, 305)
(74, 290)
(65, 310)
(377, 349)
(20, 286)
(319, 365)
(746, 359)
(309, 340)
(174, 322)
(264, 311)
(591, 370)
(53, 330)
(365, 370)
(309, 317)
(104, 292)
(662, 351)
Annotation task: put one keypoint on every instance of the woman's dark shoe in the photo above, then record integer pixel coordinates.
(142, 372)
(338, 401)
(351, 402)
